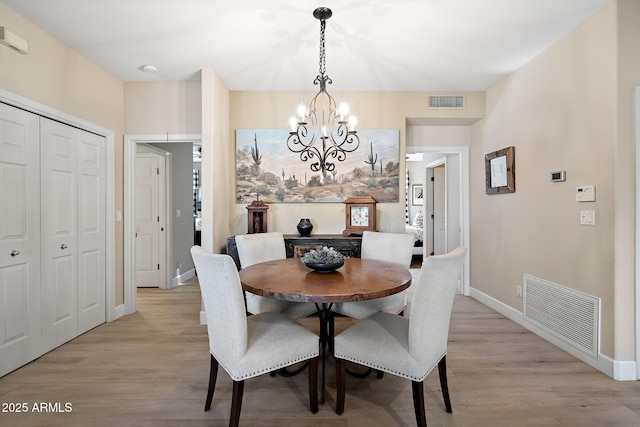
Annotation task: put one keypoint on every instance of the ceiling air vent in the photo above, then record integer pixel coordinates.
(447, 101)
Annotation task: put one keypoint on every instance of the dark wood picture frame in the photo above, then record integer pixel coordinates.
(500, 171)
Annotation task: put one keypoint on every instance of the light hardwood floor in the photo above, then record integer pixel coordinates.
(151, 369)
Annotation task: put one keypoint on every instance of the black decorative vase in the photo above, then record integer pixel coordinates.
(305, 227)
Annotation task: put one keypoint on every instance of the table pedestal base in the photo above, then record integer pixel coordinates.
(326, 340)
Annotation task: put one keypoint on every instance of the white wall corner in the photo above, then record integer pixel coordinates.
(624, 370)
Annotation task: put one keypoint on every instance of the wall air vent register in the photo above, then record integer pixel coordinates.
(446, 102)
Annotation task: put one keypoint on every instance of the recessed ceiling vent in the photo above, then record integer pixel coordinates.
(447, 101)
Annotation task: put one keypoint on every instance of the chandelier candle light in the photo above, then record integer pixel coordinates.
(322, 121)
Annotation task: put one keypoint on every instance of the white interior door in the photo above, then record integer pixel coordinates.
(59, 237)
(148, 223)
(439, 210)
(20, 323)
(91, 231)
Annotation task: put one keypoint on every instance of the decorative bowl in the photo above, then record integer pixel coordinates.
(324, 267)
(323, 260)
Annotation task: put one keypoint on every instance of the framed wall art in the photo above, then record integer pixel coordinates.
(500, 171)
(417, 195)
(266, 167)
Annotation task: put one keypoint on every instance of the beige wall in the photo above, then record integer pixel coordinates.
(58, 77)
(217, 166)
(375, 110)
(155, 108)
(560, 112)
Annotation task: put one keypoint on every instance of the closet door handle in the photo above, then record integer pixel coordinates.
(15, 253)
(63, 246)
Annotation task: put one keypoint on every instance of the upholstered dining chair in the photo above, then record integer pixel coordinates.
(262, 247)
(390, 247)
(407, 347)
(244, 346)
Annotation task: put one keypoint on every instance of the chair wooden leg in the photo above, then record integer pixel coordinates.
(332, 330)
(418, 403)
(213, 374)
(236, 403)
(341, 375)
(444, 385)
(313, 385)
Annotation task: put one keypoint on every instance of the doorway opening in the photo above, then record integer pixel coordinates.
(130, 149)
(436, 229)
(457, 188)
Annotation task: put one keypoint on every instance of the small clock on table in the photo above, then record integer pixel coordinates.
(360, 215)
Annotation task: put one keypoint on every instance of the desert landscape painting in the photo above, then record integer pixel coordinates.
(266, 168)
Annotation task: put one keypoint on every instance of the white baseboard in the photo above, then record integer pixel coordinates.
(183, 277)
(119, 312)
(203, 317)
(617, 369)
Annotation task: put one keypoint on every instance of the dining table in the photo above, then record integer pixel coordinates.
(358, 279)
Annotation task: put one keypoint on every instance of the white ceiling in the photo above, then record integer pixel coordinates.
(380, 45)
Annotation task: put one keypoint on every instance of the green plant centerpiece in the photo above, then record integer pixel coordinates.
(323, 260)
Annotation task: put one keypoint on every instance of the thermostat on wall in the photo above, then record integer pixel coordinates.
(586, 193)
(558, 176)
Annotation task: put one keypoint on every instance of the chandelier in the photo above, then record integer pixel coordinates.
(323, 133)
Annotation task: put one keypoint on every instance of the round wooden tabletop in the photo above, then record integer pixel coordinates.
(357, 280)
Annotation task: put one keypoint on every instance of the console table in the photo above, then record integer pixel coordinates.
(296, 245)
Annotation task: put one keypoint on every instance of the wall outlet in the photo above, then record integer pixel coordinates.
(519, 291)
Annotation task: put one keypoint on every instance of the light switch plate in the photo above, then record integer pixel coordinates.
(588, 217)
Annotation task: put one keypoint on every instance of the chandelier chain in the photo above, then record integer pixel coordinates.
(323, 61)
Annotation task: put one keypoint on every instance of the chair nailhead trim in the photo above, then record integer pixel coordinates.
(270, 369)
(380, 368)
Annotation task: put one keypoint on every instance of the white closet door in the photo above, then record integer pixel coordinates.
(91, 231)
(59, 238)
(19, 238)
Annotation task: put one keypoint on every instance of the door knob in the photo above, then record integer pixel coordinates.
(15, 253)
(63, 246)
